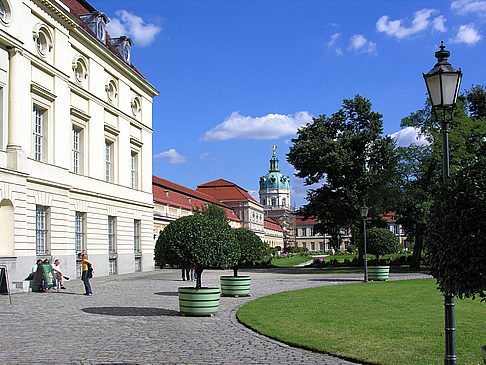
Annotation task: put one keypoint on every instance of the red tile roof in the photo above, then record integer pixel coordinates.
(226, 191)
(300, 220)
(273, 225)
(390, 217)
(82, 7)
(178, 197)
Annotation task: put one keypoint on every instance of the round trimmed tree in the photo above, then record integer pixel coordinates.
(252, 249)
(455, 238)
(198, 241)
(381, 241)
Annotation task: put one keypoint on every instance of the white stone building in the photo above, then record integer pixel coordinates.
(75, 141)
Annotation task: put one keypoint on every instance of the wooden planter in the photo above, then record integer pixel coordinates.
(198, 302)
(235, 286)
(378, 273)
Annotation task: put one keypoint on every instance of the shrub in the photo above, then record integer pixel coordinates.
(198, 240)
(455, 238)
(350, 249)
(381, 241)
(252, 249)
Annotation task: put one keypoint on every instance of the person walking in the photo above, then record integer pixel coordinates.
(87, 272)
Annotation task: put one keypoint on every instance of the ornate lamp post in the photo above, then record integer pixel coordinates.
(364, 215)
(443, 83)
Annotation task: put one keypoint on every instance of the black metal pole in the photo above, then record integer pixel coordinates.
(365, 259)
(450, 357)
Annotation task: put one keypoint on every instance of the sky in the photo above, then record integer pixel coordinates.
(235, 77)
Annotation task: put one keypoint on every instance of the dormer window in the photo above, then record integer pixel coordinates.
(123, 46)
(96, 22)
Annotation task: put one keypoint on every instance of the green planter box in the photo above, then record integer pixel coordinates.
(378, 273)
(199, 302)
(235, 286)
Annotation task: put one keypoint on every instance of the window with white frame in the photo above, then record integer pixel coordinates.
(39, 134)
(134, 170)
(79, 232)
(41, 230)
(77, 150)
(136, 236)
(80, 68)
(111, 234)
(43, 39)
(304, 232)
(109, 160)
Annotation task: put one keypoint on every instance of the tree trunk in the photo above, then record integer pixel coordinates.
(198, 278)
(235, 271)
(417, 250)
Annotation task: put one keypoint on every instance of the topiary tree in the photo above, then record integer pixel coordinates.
(198, 240)
(381, 241)
(252, 249)
(455, 238)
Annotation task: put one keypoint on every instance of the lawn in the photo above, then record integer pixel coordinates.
(290, 261)
(400, 322)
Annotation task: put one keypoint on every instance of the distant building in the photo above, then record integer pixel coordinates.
(274, 233)
(75, 142)
(395, 227)
(243, 204)
(275, 197)
(172, 201)
(307, 237)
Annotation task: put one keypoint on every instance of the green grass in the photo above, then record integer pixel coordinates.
(290, 261)
(400, 322)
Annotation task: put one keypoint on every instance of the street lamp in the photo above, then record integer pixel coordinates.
(364, 214)
(443, 83)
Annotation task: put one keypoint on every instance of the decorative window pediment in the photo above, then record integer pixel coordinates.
(96, 22)
(123, 46)
(43, 39)
(80, 68)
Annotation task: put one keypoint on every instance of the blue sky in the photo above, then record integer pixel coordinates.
(236, 77)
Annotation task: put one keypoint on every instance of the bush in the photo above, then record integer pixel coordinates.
(350, 249)
(252, 249)
(381, 241)
(198, 240)
(455, 238)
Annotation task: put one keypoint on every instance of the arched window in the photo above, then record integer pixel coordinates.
(5, 12)
(80, 68)
(43, 39)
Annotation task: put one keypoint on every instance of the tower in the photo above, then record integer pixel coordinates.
(275, 197)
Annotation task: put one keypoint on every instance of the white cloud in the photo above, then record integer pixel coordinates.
(358, 43)
(206, 156)
(172, 156)
(270, 126)
(421, 21)
(134, 26)
(339, 52)
(467, 34)
(299, 189)
(464, 7)
(439, 24)
(407, 136)
(255, 195)
(333, 39)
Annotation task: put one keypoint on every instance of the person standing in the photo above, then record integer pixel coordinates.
(87, 270)
(56, 269)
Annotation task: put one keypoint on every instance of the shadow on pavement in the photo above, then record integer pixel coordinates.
(338, 279)
(167, 293)
(131, 311)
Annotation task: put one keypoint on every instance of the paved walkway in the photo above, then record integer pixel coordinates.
(133, 319)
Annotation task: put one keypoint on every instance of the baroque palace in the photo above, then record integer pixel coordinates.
(76, 152)
(75, 141)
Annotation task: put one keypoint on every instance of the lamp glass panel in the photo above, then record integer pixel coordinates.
(449, 87)
(364, 212)
(433, 86)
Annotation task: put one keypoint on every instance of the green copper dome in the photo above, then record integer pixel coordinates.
(274, 179)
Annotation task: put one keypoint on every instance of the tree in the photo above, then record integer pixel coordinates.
(456, 245)
(381, 241)
(420, 167)
(198, 240)
(348, 154)
(252, 249)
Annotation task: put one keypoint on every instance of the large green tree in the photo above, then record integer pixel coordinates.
(420, 167)
(252, 249)
(354, 163)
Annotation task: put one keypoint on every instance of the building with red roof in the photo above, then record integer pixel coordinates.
(243, 204)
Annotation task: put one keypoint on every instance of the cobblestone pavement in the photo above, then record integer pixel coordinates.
(133, 319)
